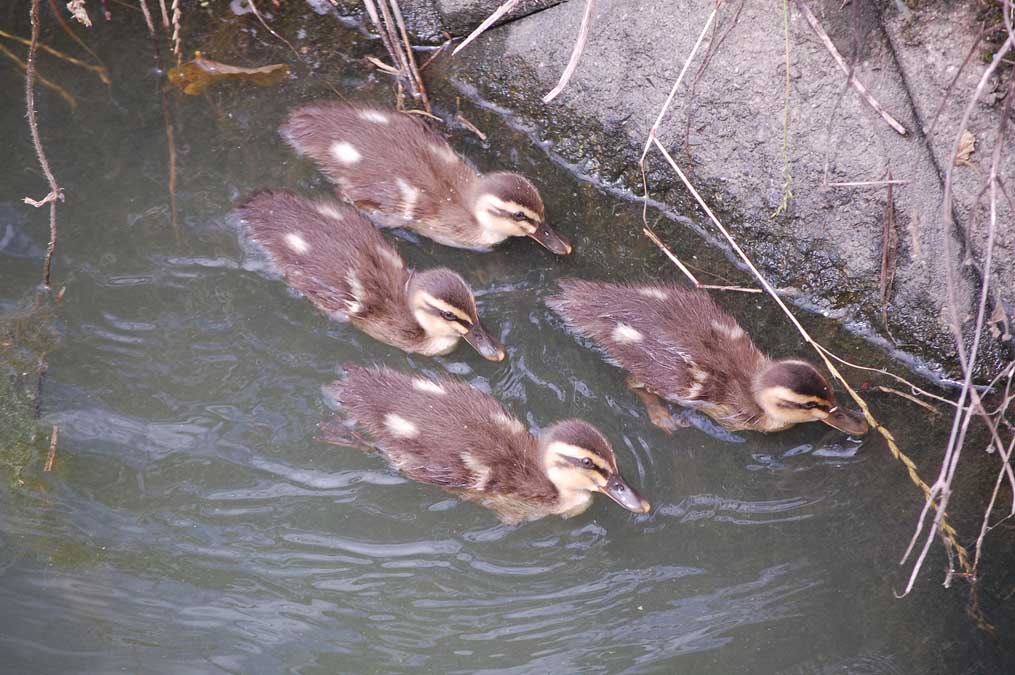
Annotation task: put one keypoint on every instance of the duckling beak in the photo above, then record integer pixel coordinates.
(846, 420)
(483, 343)
(550, 239)
(618, 490)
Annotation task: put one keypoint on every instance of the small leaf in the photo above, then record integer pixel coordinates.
(194, 76)
(967, 146)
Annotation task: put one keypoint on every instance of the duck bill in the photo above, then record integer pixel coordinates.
(483, 343)
(552, 241)
(846, 420)
(618, 490)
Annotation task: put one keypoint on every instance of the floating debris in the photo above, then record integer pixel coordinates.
(194, 76)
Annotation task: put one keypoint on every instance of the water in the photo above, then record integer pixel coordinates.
(193, 523)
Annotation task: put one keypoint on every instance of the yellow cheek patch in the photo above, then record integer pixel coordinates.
(579, 453)
(786, 394)
(439, 304)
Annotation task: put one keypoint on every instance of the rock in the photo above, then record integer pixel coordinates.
(462, 16)
(731, 114)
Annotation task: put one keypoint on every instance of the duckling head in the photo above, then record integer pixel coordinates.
(443, 305)
(579, 461)
(791, 392)
(510, 205)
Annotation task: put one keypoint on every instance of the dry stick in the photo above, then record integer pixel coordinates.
(55, 192)
(889, 250)
(576, 53)
(787, 175)
(165, 14)
(51, 457)
(58, 15)
(410, 57)
(683, 268)
(148, 15)
(98, 70)
(868, 183)
(388, 38)
(170, 138)
(986, 527)
(176, 32)
(860, 89)
(972, 51)
(257, 13)
(489, 21)
(909, 397)
(948, 532)
(960, 422)
(60, 91)
(673, 91)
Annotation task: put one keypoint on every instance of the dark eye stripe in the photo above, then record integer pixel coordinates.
(595, 467)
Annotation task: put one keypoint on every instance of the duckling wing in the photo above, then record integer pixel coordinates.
(675, 340)
(444, 432)
(381, 160)
(327, 251)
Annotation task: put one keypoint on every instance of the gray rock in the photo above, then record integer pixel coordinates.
(462, 16)
(726, 128)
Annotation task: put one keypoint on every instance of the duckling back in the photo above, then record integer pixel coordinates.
(388, 162)
(675, 340)
(329, 252)
(447, 433)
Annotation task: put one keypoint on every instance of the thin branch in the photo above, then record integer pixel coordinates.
(683, 268)
(99, 70)
(856, 84)
(271, 30)
(576, 53)
(55, 191)
(489, 21)
(51, 456)
(60, 91)
(868, 183)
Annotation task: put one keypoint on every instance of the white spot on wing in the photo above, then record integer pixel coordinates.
(444, 152)
(390, 256)
(400, 427)
(296, 243)
(624, 333)
(345, 153)
(355, 303)
(478, 469)
(733, 332)
(508, 423)
(373, 116)
(409, 197)
(328, 210)
(650, 292)
(428, 386)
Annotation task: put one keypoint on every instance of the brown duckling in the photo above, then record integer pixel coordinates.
(335, 257)
(681, 346)
(407, 175)
(447, 433)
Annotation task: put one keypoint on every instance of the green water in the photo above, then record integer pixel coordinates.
(193, 523)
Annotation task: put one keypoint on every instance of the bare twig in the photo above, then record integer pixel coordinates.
(60, 91)
(58, 15)
(856, 84)
(941, 490)
(787, 175)
(176, 32)
(910, 398)
(257, 13)
(165, 14)
(868, 183)
(683, 268)
(99, 70)
(460, 118)
(410, 58)
(51, 457)
(55, 191)
(576, 53)
(489, 21)
(889, 250)
(148, 15)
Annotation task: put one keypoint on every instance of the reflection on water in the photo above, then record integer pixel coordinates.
(194, 522)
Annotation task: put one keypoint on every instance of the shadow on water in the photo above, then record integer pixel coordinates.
(194, 522)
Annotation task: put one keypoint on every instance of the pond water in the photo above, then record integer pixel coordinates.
(192, 522)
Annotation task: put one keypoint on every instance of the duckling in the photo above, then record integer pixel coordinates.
(681, 346)
(335, 257)
(447, 433)
(393, 165)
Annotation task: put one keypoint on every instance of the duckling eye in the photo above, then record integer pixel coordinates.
(448, 316)
(518, 215)
(810, 405)
(587, 463)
